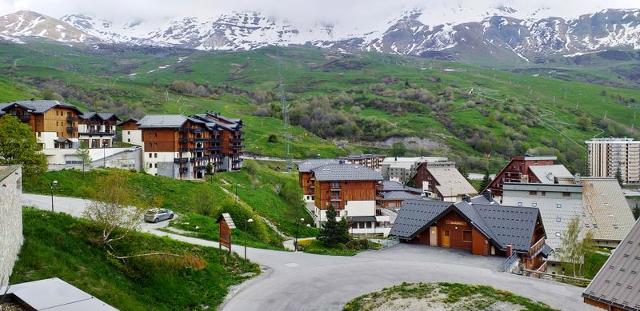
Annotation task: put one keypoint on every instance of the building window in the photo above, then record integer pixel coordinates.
(566, 194)
(466, 235)
(533, 192)
(155, 165)
(368, 224)
(150, 155)
(128, 140)
(150, 165)
(128, 132)
(155, 155)
(543, 193)
(558, 205)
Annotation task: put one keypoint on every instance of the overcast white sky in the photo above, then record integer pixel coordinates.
(353, 12)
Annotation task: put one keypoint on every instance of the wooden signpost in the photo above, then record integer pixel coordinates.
(226, 224)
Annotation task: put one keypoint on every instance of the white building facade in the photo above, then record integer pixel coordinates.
(607, 156)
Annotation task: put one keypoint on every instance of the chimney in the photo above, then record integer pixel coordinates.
(487, 195)
(466, 198)
(509, 250)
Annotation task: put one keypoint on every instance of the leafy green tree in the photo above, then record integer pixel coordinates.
(83, 153)
(584, 122)
(619, 176)
(574, 248)
(333, 232)
(18, 145)
(486, 180)
(398, 149)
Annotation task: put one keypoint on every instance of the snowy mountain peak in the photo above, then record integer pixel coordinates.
(32, 24)
(501, 33)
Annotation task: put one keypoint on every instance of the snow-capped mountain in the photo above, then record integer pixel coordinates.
(499, 33)
(32, 24)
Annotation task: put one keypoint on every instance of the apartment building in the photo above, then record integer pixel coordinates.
(131, 132)
(227, 134)
(188, 147)
(402, 169)
(97, 130)
(559, 204)
(607, 156)
(370, 160)
(530, 169)
(306, 179)
(351, 190)
(54, 123)
(441, 180)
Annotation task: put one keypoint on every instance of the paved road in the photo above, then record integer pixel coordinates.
(299, 281)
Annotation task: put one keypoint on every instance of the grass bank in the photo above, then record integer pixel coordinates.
(443, 296)
(57, 245)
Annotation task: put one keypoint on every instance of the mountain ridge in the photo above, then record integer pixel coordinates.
(493, 37)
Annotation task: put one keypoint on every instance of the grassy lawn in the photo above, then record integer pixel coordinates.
(272, 193)
(593, 262)
(207, 228)
(316, 247)
(183, 197)
(57, 245)
(443, 296)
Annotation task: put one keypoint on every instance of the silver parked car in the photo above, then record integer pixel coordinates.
(158, 214)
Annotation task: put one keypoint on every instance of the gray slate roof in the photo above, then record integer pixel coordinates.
(503, 225)
(390, 185)
(309, 165)
(39, 106)
(163, 121)
(618, 280)
(101, 115)
(415, 216)
(337, 172)
(400, 195)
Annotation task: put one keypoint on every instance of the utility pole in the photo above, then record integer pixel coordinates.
(285, 116)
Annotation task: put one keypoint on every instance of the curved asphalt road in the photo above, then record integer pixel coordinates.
(300, 281)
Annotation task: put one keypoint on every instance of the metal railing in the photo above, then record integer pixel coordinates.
(509, 262)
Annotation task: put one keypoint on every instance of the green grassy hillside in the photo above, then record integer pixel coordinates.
(57, 245)
(341, 103)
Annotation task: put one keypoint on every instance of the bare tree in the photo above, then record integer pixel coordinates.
(114, 208)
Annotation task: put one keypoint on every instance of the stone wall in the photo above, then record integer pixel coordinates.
(10, 220)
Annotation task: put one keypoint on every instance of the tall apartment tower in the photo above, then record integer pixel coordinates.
(608, 155)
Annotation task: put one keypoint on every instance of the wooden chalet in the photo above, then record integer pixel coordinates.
(479, 225)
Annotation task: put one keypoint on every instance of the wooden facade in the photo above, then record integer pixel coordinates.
(422, 175)
(337, 193)
(62, 120)
(305, 179)
(517, 171)
(130, 125)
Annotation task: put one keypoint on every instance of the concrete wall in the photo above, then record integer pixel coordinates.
(123, 158)
(360, 208)
(10, 220)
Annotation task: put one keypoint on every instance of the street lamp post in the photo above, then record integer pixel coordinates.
(295, 244)
(245, 231)
(53, 185)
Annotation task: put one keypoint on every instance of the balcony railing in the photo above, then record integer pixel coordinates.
(180, 160)
(70, 129)
(536, 247)
(97, 132)
(70, 119)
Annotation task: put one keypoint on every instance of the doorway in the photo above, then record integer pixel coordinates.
(445, 238)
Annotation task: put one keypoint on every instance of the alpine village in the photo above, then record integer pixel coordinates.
(452, 156)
